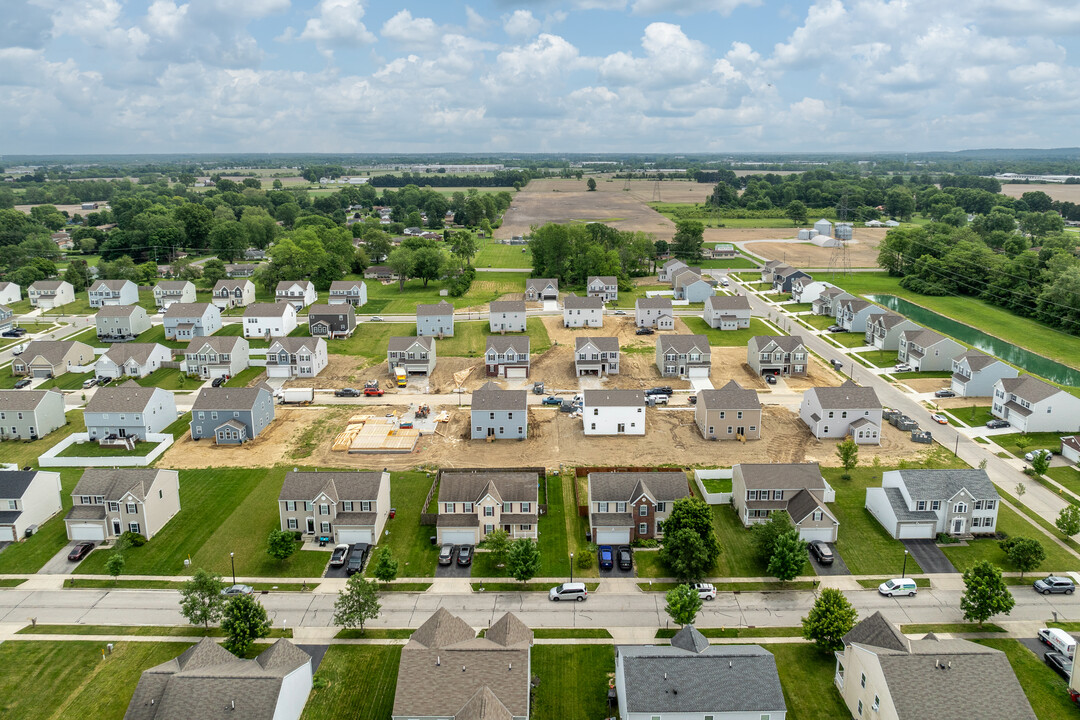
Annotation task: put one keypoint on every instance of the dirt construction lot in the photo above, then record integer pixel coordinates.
(862, 254)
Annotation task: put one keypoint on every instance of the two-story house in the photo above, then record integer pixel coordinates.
(884, 331)
(113, 292)
(582, 311)
(628, 506)
(269, 320)
(414, 355)
(730, 413)
(30, 414)
(921, 503)
(7, 318)
(506, 316)
(613, 412)
(759, 490)
(777, 355)
(927, 351)
(783, 278)
(230, 293)
(727, 312)
(108, 502)
(379, 272)
(240, 270)
(507, 357)
(665, 273)
(499, 414)
(121, 323)
(232, 416)
(352, 292)
(975, 373)
(168, 292)
(769, 269)
(683, 356)
(343, 506)
(690, 285)
(474, 503)
(1031, 405)
(132, 359)
(807, 289)
(10, 293)
(881, 673)
(854, 314)
(596, 356)
(49, 294)
(52, 358)
(828, 301)
(654, 312)
(605, 287)
(837, 412)
(128, 411)
(296, 357)
(184, 321)
(298, 293)
(27, 499)
(541, 289)
(217, 356)
(435, 319)
(332, 321)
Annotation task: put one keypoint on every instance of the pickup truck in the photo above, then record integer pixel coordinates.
(551, 400)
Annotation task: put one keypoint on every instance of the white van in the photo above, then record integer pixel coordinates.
(568, 591)
(898, 586)
(1059, 640)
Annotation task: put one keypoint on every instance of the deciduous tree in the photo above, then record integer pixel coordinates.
(1068, 520)
(386, 567)
(1023, 552)
(201, 601)
(244, 621)
(764, 534)
(280, 544)
(788, 556)
(985, 593)
(686, 245)
(357, 603)
(498, 545)
(829, 620)
(523, 559)
(683, 604)
(848, 453)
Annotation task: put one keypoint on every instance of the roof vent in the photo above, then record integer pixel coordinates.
(438, 661)
(510, 666)
(665, 676)
(462, 668)
(731, 663)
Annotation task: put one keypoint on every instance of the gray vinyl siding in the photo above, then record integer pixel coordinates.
(505, 424)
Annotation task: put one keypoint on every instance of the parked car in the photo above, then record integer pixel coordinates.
(944, 393)
(605, 557)
(837, 364)
(104, 380)
(464, 555)
(821, 552)
(219, 381)
(836, 328)
(939, 419)
(80, 551)
(337, 559)
(620, 312)
(660, 390)
(997, 423)
(22, 383)
(234, 590)
(446, 554)
(357, 558)
(19, 349)
(1058, 641)
(89, 383)
(902, 367)
(705, 591)
(373, 392)
(347, 392)
(660, 399)
(644, 331)
(898, 586)
(551, 400)
(724, 282)
(568, 591)
(692, 399)
(1059, 664)
(626, 558)
(1038, 453)
(1054, 584)
(771, 378)
(375, 318)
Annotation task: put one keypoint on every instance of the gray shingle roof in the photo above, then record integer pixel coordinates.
(846, 397)
(575, 302)
(121, 353)
(923, 337)
(110, 284)
(127, 397)
(540, 283)
(13, 483)
(118, 310)
(690, 638)
(787, 343)
(1031, 389)
(457, 486)
(286, 285)
(173, 285)
(339, 309)
(614, 398)
(293, 345)
(218, 343)
(654, 303)
(727, 302)
(229, 398)
(114, 483)
(267, 310)
(976, 360)
(628, 486)
(490, 397)
(48, 285)
(684, 344)
(781, 476)
(23, 400)
(402, 344)
(187, 310)
(440, 308)
(901, 510)
(346, 285)
(943, 484)
(603, 344)
(802, 503)
(338, 485)
(877, 631)
(52, 350)
(606, 279)
(502, 343)
(730, 397)
(887, 320)
(231, 284)
(507, 306)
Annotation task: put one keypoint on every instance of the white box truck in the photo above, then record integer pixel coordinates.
(296, 396)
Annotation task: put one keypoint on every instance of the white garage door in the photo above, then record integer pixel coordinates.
(698, 372)
(7, 533)
(516, 372)
(353, 535)
(277, 371)
(914, 531)
(827, 534)
(612, 537)
(459, 537)
(87, 531)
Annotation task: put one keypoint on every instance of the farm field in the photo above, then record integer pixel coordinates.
(862, 254)
(1056, 191)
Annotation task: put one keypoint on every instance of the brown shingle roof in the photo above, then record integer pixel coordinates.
(782, 476)
(339, 485)
(1031, 389)
(627, 486)
(730, 397)
(614, 398)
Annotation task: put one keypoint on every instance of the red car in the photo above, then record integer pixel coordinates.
(80, 551)
(373, 392)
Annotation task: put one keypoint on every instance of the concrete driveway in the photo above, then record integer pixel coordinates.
(929, 556)
(59, 564)
(838, 567)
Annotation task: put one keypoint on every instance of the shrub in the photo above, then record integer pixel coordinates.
(647, 543)
(584, 561)
(132, 539)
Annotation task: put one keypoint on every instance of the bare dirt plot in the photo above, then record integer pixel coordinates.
(342, 371)
(442, 379)
(962, 403)
(729, 363)
(861, 254)
(1056, 191)
(69, 209)
(732, 235)
(270, 448)
(924, 385)
(619, 326)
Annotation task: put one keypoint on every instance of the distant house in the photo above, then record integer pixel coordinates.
(837, 412)
(499, 414)
(506, 316)
(232, 416)
(52, 358)
(683, 356)
(688, 284)
(10, 293)
(922, 503)
(605, 287)
(30, 414)
(613, 412)
(730, 413)
(727, 312)
(854, 314)
(883, 331)
(926, 350)
(353, 292)
(298, 293)
(269, 320)
(217, 356)
(28, 499)
(49, 294)
(185, 321)
(541, 289)
(435, 319)
(239, 270)
(771, 267)
(629, 506)
(379, 272)
(343, 506)
(254, 254)
(167, 292)
(596, 356)
(332, 321)
(296, 357)
(121, 323)
(828, 301)
(654, 312)
(758, 491)
(108, 502)
(583, 311)
(133, 360)
(777, 354)
(507, 356)
(721, 251)
(113, 292)
(783, 278)
(1031, 405)
(807, 290)
(975, 373)
(233, 293)
(416, 355)
(665, 273)
(128, 411)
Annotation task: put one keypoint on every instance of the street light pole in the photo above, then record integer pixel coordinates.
(571, 567)
(904, 573)
(232, 560)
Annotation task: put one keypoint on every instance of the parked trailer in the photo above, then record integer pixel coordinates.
(297, 396)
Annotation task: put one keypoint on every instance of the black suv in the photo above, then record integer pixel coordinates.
(218, 381)
(661, 390)
(626, 558)
(643, 331)
(357, 558)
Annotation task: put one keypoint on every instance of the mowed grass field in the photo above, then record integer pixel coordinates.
(494, 254)
(470, 339)
(387, 298)
(730, 338)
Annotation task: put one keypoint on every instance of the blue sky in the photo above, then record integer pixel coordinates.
(126, 76)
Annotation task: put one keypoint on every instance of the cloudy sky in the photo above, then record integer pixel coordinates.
(116, 76)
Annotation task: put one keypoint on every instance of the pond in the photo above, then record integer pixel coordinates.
(1018, 356)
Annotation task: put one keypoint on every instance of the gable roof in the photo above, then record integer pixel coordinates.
(231, 284)
(173, 285)
(658, 302)
(24, 400)
(846, 396)
(114, 483)
(402, 344)
(121, 353)
(888, 320)
(683, 344)
(53, 351)
(119, 310)
(576, 302)
(1030, 388)
(507, 306)
(127, 396)
(337, 485)
(339, 309)
(490, 397)
(672, 263)
(257, 310)
(923, 337)
(186, 310)
(727, 302)
(440, 308)
(925, 484)
(614, 398)
(877, 631)
(787, 343)
(501, 343)
(48, 285)
(293, 345)
(602, 344)
(13, 483)
(732, 396)
(802, 504)
(470, 486)
(628, 486)
(229, 398)
(976, 360)
(541, 283)
(606, 279)
(286, 285)
(781, 476)
(218, 343)
(114, 285)
(346, 285)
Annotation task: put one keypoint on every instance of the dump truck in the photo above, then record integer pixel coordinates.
(401, 376)
(296, 396)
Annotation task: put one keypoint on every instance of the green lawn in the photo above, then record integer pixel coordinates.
(370, 340)
(91, 449)
(1045, 689)
(554, 549)
(237, 330)
(470, 339)
(169, 379)
(961, 627)
(729, 338)
(486, 287)
(156, 334)
(498, 255)
(729, 264)
(29, 555)
(245, 377)
(851, 340)
(820, 322)
(1067, 476)
(178, 585)
(408, 539)
(1057, 559)
(222, 511)
(573, 681)
(67, 381)
(922, 375)
(80, 306)
(1041, 440)
(798, 307)
(741, 586)
(717, 485)
(975, 416)
(878, 358)
(360, 683)
(24, 453)
(374, 633)
(72, 678)
(575, 525)
(628, 299)
(571, 633)
(806, 676)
